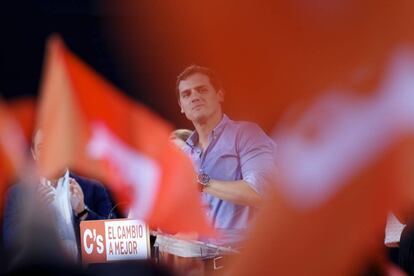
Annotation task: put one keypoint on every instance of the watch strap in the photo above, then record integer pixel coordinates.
(82, 213)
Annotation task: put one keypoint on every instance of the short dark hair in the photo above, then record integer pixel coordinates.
(181, 134)
(194, 69)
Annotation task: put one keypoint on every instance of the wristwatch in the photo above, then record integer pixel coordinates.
(82, 213)
(203, 179)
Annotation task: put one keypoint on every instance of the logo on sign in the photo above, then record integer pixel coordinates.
(112, 240)
(92, 240)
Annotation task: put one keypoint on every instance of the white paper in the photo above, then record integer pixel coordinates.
(393, 231)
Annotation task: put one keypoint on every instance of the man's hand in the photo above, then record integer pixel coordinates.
(46, 194)
(76, 196)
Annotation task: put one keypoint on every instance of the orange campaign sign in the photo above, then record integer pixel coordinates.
(114, 240)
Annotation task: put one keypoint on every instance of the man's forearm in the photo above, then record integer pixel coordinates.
(238, 192)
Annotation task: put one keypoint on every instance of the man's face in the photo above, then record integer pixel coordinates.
(37, 145)
(37, 153)
(199, 100)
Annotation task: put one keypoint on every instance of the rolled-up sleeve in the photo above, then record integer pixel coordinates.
(257, 157)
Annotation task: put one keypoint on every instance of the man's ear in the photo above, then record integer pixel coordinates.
(220, 94)
(182, 110)
(33, 153)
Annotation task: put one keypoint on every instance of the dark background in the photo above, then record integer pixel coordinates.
(141, 48)
(25, 27)
(268, 54)
(96, 32)
(85, 27)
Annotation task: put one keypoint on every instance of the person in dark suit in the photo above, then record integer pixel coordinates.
(73, 197)
(403, 254)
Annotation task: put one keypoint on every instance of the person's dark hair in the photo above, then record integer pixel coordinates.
(194, 69)
(182, 134)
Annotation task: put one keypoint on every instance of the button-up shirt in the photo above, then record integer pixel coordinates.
(235, 151)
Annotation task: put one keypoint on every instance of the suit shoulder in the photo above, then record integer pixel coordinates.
(87, 182)
(15, 189)
(16, 193)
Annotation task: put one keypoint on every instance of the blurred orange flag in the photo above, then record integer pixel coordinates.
(24, 111)
(15, 126)
(92, 128)
(343, 165)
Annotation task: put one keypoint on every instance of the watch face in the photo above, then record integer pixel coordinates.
(203, 178)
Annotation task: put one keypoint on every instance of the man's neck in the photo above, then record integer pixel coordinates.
(204, 129)
(55, 181)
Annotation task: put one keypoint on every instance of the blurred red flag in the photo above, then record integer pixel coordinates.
(92, 128)
(342, 236)
(24, 111)
(16, 121)
(345, 161)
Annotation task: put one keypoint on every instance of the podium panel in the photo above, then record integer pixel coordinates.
(114, 240)
(190, 257)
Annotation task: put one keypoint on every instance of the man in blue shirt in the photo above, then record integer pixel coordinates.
(235, 161)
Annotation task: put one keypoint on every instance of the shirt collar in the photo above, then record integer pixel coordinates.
(220, 126)
(193, 139)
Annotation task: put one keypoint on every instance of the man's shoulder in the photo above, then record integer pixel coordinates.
(20, 187)
(249, 133)
(14, 189)
(86, 182)
(244, 127)
(17, 191)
